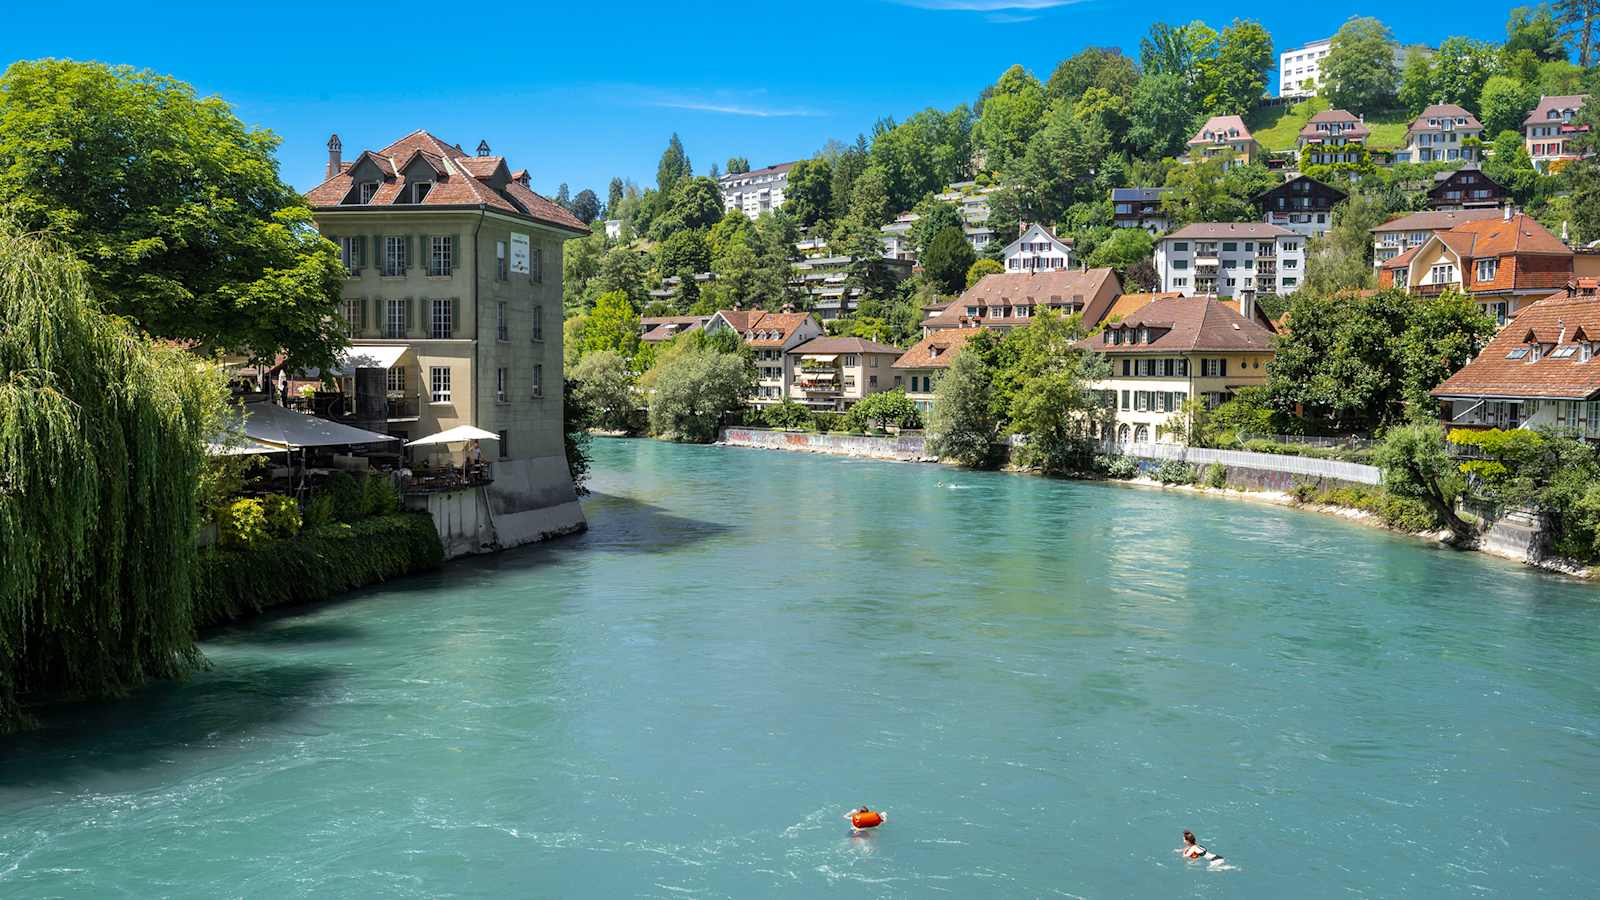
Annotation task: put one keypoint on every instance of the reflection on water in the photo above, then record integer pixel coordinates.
(1043, 682)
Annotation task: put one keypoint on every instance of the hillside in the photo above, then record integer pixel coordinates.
(1276, 127)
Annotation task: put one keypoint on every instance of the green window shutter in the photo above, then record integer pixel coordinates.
(377, 253)
(411, 251)
(455, 316)
(413, 305)
(455, 251)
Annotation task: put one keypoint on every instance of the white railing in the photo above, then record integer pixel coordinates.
(1271, 462)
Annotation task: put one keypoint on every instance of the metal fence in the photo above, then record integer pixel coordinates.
(1270, 462)
(1344, 442)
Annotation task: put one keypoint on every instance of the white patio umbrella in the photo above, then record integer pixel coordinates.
(457, 435)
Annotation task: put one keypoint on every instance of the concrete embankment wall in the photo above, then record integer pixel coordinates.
(529, 500)
(1267, 471)
(907, 446)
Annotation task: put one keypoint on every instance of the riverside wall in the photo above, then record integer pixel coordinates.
(907, 446)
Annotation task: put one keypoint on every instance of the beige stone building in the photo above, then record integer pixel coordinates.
(918, 369)
(452, 301)
(835, 372)
(771, 335)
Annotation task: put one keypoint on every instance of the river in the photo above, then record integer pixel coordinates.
(1042, 682)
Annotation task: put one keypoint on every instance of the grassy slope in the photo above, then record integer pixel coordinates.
(1277, 127)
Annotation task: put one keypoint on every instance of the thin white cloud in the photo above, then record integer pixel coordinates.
(988, 6)
(732, 108)
(1007, 18)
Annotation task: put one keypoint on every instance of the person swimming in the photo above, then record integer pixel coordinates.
(862, 818)
(1192, 850)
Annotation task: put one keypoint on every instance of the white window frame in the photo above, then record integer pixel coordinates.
(394, 318)
(1488, 267)
(439, 257)
(352, 315)
(439, 315)
(439, 384)
(395, 262)
(367, 191)
(395, 379)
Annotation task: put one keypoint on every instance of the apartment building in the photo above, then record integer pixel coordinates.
(1223, 136)
(1443, 133)
(1169, 351)
(897, 237)
(1302, 205)
(1228, 258)
(1548, 130)
(835, 372)
(452, 297)
(1139, 207)
(1540, 372)
(1037, 250)
(919, 368)
(1502, 263)
(1333, 136)
(825, 279)
(1465, 188)
(1007, 300)
(1398, 235)
(771, 336)
(1300, 69)
(972, 202)
(756, 191)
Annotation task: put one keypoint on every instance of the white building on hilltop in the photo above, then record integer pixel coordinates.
(754, 193)
(1300, 69)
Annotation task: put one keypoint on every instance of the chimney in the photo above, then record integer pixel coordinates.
(1247, 305)
(1561, 330)
(1022, 228)
(1505, 214)
(1564, 238)
(335, 164)
(483, 148)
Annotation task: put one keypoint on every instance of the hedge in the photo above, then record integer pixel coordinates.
(233, 583)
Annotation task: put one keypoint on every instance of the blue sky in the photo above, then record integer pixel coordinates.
(579, 92)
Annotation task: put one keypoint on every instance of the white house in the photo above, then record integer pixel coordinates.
(755, 192)
(1230, 258)
(1037, 250)
(1300, 69)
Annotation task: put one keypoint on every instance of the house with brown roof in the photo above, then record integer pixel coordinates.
(1128, 304)
(1006, 300)
(1548, 131)
(921, 366)
(1302, 205)
(771, 335)
(1539, 371)
(1334, 136)
(658, 329)
(1225, 135)
(1231, 258)
(1443, 132)
(1466, 188)
(453, 289)
(835, 372)
(1402, 233)
(1501, 263)
(1169, 351)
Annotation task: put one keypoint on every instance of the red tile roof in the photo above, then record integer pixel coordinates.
(752, 322)
(1128, 304)
(1357, 131)
(1185, 325)
(1094, 290)
(457, 180)
(1219, 126)
(1434, 221)
(937, 350)
(844, 345)
(1556, 321)
(1554, 104)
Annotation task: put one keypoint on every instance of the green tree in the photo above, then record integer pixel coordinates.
(1159, 118)
(580, 262)
(1092, 67)
(933, 216)
(1415, 465)
(604, 388)
(674, 166)
(1051, 402)
(620, 270)
(869, 200)
(1011, 113)
(1214, 190)
(693, 203)
(1511, 167)
(1060, 166)
(737, 165)
(922, 154)
(883, 409)
(982, 267)
(1359, 72)
(1123, 250)
(1168, 50)
(1505, 102)
(695, 391)
(586, 206)
(684, 253)
(1460, 69)
(848, 165)
(1235, 78)
(808, 194)
(1416, 80)
(1576, 18)
(1534, 29)
(962, 428)
(102, 450)
(175, 205)
(1341, 260)
(613, 325)
(946, 259)
(613, 197)
(867, 271)
(563, 197)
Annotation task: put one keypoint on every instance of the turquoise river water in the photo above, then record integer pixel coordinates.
(1042, 682)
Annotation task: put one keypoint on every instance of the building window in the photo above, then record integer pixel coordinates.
(538, 322)
(368, 188)
(394, 318)
(500, 263)
(850, 360)
(439, 382)
(353, 308)
(536, 264)
(394, 255)
(1444, 274)
(505, 444)
(439, 323)
(538, 379)
(440, 259)
(872, 381)
(395, 379)
(502, 327)
(353, 250)
(1487, 268)
(500, 384)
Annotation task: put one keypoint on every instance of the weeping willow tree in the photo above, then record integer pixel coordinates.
(102, 438)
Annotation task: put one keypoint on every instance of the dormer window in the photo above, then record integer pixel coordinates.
(368, 188)
(1144, 335)
(419, 191)
(1552, 114)
(1564, 352)
(1585, 352)
(1517, 353)
(1487, 268)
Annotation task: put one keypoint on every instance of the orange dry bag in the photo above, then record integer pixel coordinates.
(868, 819)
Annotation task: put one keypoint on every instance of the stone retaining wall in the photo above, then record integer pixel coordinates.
(908, 446)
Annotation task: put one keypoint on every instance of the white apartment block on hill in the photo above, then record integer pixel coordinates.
(1300, 69)
(1231, 258)
(754, 193)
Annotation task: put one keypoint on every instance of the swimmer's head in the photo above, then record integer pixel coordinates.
(1188, 837)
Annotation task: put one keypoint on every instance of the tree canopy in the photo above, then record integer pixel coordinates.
(1359, 73)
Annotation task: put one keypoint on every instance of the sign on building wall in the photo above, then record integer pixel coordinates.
(519, 253)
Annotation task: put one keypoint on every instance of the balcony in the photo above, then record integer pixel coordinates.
(403, 407)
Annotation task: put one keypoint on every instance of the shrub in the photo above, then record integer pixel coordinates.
(1123, 467)
(319, 511)
(282, 516)
(233, 582)
(788, 414)
(1172, 471)
(242, 523)
(1303, 491)
(1216, 476)
(828, 421)
(378, 497)
(349, 500)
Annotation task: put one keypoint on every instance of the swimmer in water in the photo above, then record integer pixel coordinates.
(1192, 850)
(862, 818)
